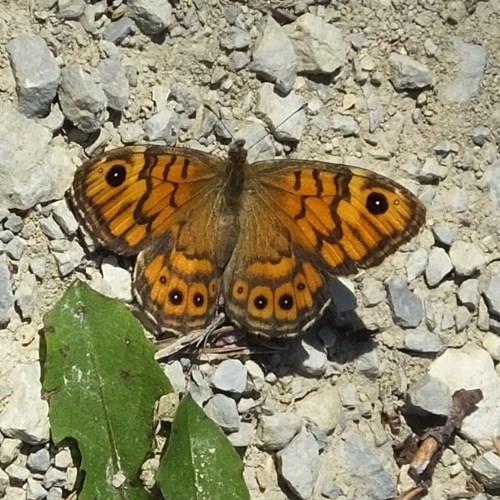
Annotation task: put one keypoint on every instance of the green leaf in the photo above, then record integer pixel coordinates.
(200, 462)
(102, 384)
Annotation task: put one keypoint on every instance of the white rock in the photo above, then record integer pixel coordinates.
(31, 171)
(25, 416)
(6, 295)
(230, 377)
(466, 257)
(322, 408)
(298, 464)
(118, 279)
(320, 47)
(276, 431)
(472, 368)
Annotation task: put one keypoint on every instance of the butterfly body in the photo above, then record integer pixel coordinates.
(262, 236)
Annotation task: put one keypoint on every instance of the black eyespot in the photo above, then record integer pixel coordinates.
(301, 286)
(116, 175)
(198, 299)
(260, 302)
(239, 290)
(377, 203)
(163, 280)
(286, 302)
(176, 297)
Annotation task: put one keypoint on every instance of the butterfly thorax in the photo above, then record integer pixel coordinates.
(235, 174)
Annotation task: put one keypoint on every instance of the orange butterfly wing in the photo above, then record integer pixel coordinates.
(303, 219)
(159, 202)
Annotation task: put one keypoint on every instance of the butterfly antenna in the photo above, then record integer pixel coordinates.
(298, 110)
(220, 120)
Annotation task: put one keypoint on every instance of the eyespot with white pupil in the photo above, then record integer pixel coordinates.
(176, 297)
(116, 175)
(377, 203)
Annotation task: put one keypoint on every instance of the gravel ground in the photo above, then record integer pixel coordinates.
(408, 89)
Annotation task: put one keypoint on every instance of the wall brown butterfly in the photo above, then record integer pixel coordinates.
(262, 236)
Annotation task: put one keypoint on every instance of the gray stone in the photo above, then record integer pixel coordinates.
(285, 115)
(70, 9)
(274, 432)
(373, 107)
(438, 267)
(187, 96)
(31, 171)
(35, 490)
(408, 74)
(345, 124)
(433, 171)
(55, 493)
(256, 375)
(119, 30)
(64, 217)
(491, 342)
(6, 236)
(470, 70)
(238, 60)
(162, 126)
(82, 97)
(491, 292)
(51, 228)
(308, 356)
(407, 308)
(322, 408)
(230, 377)
(466, 258)
(375, 482)
(486, 468)
(39, 460)
(175, 375)
(54, 477)
(471, 367)
(15, 421)
(13, 223)
(114, 83)
(443, 147)
(462, 318)
(36, 73)
(63, 459)
(54, 121)
(443, 234)
(298, 464)
(244, 436)
(26, 295)
(319, 46)
(235, 39)
(273, 57)
(9, 450)
(15, 248)
(119, 280)
(130, 133)
(6, 295)
(373, 292)
(480, 135)
(420, 340)
(369, 364)
(68, 259)
(38, 265)
(17, 473)
(223, 411)
(416, 264)
(151, 16)
(428, 395)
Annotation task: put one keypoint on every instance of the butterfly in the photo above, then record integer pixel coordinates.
(262, 237)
